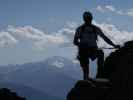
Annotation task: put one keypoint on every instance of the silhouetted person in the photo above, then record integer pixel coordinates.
(86, 40)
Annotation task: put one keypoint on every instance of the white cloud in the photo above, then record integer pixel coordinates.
(106, 8)
(68, 33)
(130, 12)
(27, 32)
(111, 31)
(50, 41)
(41, 40)
(120, 12)
(37, 37)
(100, 8)
(6, 39)
(116, 35)
(110, 8)
(71, 24)
(64, 36)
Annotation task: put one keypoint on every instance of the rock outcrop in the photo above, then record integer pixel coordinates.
(6, 94)
(87, 90)
(118, 69)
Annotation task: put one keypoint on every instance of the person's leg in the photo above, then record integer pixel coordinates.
(85, 69)
(100, 63)
(84, 62)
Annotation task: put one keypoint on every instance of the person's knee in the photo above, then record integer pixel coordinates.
(84, 64)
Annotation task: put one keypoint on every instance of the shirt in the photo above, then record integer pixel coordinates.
(86, 36)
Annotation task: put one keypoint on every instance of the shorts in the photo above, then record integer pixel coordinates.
(85, 54)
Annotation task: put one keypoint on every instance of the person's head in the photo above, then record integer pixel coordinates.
(87, 17)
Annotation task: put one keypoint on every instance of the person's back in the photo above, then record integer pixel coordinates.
(88, 36)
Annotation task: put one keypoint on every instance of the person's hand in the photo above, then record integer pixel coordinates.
(117, 46)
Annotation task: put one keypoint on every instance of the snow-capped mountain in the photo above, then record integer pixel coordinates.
(66, 66)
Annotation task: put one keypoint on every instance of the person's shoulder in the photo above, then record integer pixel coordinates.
(96, 27)
(79, 27)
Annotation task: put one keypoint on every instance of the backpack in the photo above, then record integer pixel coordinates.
(88, 36)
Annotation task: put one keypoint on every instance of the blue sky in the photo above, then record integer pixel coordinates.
(28, 27)
(45, 14)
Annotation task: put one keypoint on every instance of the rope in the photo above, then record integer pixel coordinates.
(107, 48)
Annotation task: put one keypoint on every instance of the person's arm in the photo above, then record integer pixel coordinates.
(76, 37)
(105, 38)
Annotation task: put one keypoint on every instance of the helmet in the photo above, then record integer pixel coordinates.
(87, 16)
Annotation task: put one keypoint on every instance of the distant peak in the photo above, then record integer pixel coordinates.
(58, 64)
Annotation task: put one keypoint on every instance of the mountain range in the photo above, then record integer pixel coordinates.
(53, 77)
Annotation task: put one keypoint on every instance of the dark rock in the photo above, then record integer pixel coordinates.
(6, 94)
(85, 90)
(118, 69)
